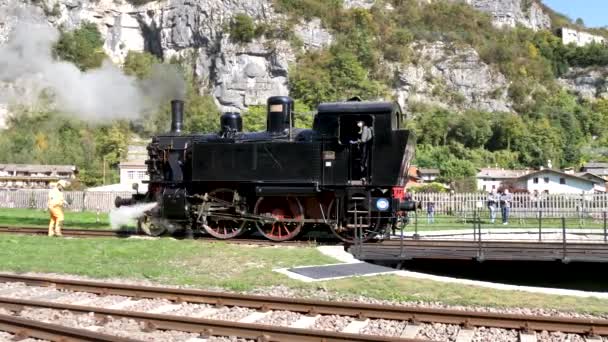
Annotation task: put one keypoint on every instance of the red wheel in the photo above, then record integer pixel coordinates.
(280, 209)
(219, 226)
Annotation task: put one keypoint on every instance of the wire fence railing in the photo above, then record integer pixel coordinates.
(522, 205)
(77, 200)
(481, 223)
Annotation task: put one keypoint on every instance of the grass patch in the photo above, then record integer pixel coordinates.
(164, 260)
(408, 289)
(243, 268)
(40, 218)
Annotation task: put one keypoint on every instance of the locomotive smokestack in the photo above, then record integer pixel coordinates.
(177, 116)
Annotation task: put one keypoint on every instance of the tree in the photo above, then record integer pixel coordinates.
(432, 126)
(83, 47)
(242, 28)
(472, 129)
(139, 64)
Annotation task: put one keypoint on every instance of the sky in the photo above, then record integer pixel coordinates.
(593, 12)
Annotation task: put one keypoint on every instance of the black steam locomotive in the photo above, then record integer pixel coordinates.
(282, 179)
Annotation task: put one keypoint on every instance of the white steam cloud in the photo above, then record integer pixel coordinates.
(127, 215)
(28, 67)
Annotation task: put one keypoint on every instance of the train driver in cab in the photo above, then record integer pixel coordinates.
(365, 136)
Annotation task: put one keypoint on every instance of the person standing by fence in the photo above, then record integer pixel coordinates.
(430, 211)
(55, 206)
(506, 200)
(492, 203)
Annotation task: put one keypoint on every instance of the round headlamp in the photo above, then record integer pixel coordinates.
(382, 204)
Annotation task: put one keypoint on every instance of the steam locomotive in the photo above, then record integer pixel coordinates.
(282, 179)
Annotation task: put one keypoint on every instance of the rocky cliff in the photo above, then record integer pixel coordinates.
(243, 74)
(587, 83)
(509, 13)
(452, 77)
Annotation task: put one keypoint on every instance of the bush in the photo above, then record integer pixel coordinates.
(83, 47)
(242, 29)
(139, 64)
(431, 188)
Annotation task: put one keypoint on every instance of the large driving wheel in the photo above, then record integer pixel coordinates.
(225, 224)
(366, 227)
(279, 209)
(151, 226)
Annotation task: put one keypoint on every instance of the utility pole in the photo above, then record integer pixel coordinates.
(104, 170)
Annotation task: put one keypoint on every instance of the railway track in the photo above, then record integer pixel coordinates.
(306, 313)
(96, 233)
(21, 328)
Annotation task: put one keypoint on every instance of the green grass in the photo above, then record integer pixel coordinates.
(244, 268)
(40, 218)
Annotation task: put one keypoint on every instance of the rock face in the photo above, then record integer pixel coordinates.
(452, 77)
(587, 83)
(243, 74)
(510, 13)
(238, 75)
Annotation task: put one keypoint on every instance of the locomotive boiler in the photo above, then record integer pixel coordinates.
(282, 179)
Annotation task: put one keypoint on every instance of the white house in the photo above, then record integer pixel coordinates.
(492, 179)
(26, 176)
(557, 182)
(428, 175)
(132, 170)
(579, 38)
(598, 169)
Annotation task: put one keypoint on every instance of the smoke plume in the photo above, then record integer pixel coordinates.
(127, 215)
(28, 67)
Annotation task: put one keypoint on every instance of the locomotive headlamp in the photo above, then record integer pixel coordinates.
(382, 204)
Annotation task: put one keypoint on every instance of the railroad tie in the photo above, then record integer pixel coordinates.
(85, 301)
(527, 337)
(465, 335)
(254, 317)
(122, 305)
(51, 295)
(11, 290)
(305, 322)
(593, 339)
(355, 326)
(410, 331)
(205, 313)
(164, 308)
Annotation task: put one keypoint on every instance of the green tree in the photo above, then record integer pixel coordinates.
(472, 129)
(82, 46)
(139, 64)
(242, 28)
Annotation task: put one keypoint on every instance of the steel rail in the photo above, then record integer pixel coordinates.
(313, 307)
(24, 328)
(489, 243)
(67, 231)
(207, 327)
(92, 233)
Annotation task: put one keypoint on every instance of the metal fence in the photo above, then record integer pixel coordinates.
(77, 200)
(478, 223)
(523, 205)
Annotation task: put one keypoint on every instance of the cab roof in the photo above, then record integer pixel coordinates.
(356, 107)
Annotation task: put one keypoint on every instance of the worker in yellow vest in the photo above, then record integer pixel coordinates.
(55, 205)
